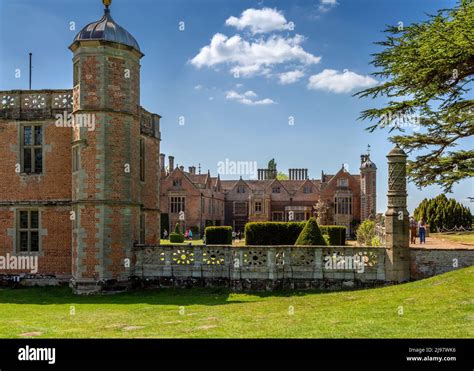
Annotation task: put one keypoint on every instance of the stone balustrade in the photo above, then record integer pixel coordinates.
(34, 104)
(46, 104)
(259, 267)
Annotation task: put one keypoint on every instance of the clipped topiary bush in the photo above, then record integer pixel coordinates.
(272, 233)
(336, 234)
(311, 235)
(176, 238)
(221, 235)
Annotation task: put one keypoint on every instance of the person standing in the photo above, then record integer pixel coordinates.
(165, 234)
(422, 230)
(413, 226)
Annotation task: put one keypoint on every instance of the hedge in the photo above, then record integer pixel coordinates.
(336, 234)
(311, 235)
(272, 233)
(176, 237)
(219, 235)
(286, 233)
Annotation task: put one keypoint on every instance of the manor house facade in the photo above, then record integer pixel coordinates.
(82, 180)
(205, 200)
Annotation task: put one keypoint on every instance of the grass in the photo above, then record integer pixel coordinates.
(441, 306)
(462, 237)
(186, 242)
(200, 242)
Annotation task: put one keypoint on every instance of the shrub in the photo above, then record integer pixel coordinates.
(218, 235)
(272, 233)
(311, 235)
(336, 234)
(365, 233)
(176, 238)
(286, 233)
(375, 241)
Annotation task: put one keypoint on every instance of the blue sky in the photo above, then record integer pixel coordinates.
(299, 59)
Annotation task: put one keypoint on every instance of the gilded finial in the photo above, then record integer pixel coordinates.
(107, 3)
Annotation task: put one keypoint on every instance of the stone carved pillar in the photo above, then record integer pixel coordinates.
(397, 261)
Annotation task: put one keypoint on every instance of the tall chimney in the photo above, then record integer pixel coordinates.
(171, 163)
(162, 161)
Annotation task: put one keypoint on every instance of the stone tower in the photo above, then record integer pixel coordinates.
(397, 262)
(107, 160)
(368, 188)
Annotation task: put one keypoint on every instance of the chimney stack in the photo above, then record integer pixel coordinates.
(171, 163)
(192, 169)
(162, 161)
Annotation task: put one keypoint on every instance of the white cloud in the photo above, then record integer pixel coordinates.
(198, 87)
(253, 57)
(248, 98)
(326, 5)
(290, 77)
(259, 20)
(339, 82)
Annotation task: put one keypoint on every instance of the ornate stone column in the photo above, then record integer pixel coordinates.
(397, 260)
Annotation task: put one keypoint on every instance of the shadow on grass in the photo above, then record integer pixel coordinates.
(165, 296)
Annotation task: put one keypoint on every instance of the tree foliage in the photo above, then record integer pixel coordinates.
(366, 235)
(427, 71)
(442, 213)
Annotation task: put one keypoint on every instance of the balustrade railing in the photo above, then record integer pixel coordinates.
(261, 262)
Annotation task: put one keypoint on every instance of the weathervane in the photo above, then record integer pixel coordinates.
(368, 149)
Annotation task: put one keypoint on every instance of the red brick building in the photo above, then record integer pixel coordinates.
(208, 200)
(79, 176)
(198, 196)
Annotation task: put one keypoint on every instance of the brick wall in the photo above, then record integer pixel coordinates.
(429, 262)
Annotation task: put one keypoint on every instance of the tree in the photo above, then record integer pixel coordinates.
(366, 235)
(272, 166)
(442, 213)
(426, 72)
(322, 211)
(282, 176)
(311, 235)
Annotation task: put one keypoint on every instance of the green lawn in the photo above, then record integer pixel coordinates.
(186, 242)
(442, 306)
(462, 237)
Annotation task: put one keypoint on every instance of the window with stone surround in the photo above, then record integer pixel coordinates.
(258, 207)
(142, 229)
(240, 208)
(342, 182)
(177, 204)
(75, 74)
(277, 216)
(343, 205)
(307, 189)
(240, 189)
(31, 149)
(76, 162)
(142, 159)
(276, 190)
(177, 183)
(27, 230)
